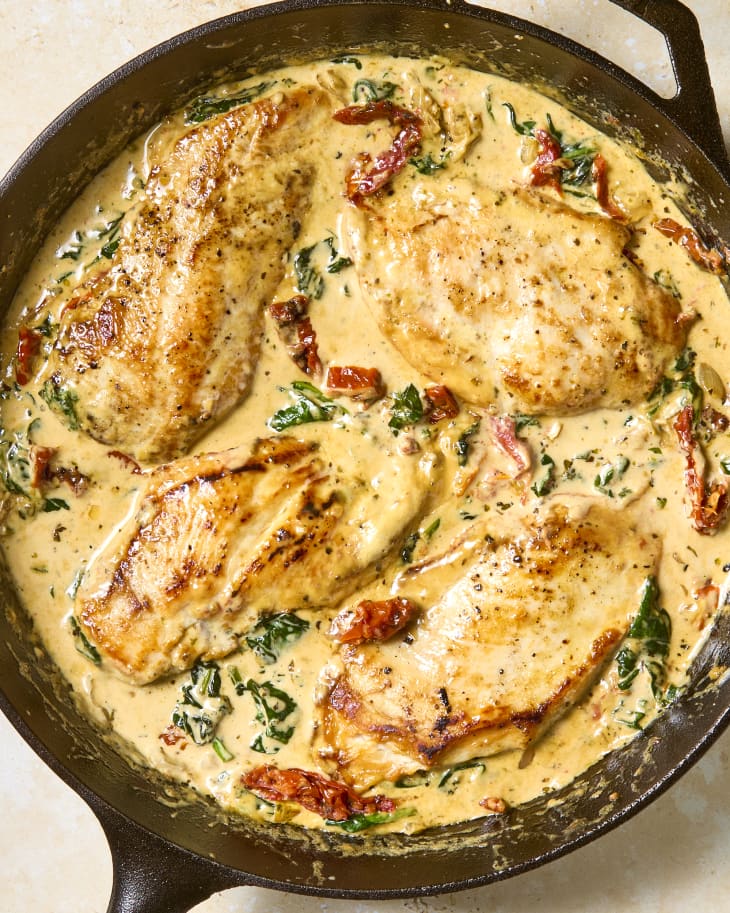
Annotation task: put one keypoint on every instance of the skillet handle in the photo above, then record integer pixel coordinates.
(154, 876)
(693, 108)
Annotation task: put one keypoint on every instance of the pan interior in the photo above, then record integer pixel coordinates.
(38, 700)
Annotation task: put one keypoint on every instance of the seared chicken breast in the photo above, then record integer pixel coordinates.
(513, 299)
(155, 349)
(219, 539)
(511, 632)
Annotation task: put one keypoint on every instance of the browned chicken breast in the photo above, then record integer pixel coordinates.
(512, 630)
(221, 538)
(155, 349)
(512, 298)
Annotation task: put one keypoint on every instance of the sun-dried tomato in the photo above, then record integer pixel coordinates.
(297, 333)
(549, 162)
(172, 735)
(127, 460)
(363, 180)
(503, 429)
(709, 503)
(40, 460)
(372, 621)
(29, 344)
(695, 247)
(331, 800)
(287, 312)
(605, 200)
(359, 383)
(440, 402)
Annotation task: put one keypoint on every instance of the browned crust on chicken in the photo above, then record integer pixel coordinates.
(515, 631)
(219, 539)
(514, 299)
(165, 342)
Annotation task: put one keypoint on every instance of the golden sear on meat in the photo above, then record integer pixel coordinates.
(512, 631)
(537, 314)
(222, 538)
(167, 339)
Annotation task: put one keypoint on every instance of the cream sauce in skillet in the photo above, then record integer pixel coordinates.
(628, 459)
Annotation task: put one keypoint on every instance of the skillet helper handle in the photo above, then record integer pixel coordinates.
(154, 876)
(693, 107)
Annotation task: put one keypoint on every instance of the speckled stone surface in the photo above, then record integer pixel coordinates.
(671, 858)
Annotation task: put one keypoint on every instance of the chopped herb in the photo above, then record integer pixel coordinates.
(51, 504)
(82, 643)
(525, 128)
(409, 781)
(71, 250)
(448, 776)
(273, 706)
(664, 278)
(431, 528)
(681, 378)
(361, 821)
(546, 483)
(15, 471)
(207, 106)
(201, 707)
(406, 408)
(75, 583)
(336, 263)
(647, 644)
(661, 503)
(62, 400)
(220, 749)
(632, 718)
(366, 90)
(47, 328)
(109, 249)
(488, 102)
(611, 472)
(523, 421)
(427, 165)
(346, 58)
(310, 405)
(406, 553)
(725, 465)
(274, 633)
(581, 156)
(464, 443)
(309, 280)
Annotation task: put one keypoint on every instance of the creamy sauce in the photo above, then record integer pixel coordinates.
(622, 457)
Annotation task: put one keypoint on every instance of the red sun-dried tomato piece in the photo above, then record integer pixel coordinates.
(372, 621)
(358, 383)
(441, 403)
(695, 247)
(599, 174)
(29, 344)
(549, 162)
(709, 503)
(332, 800)
(363, 180)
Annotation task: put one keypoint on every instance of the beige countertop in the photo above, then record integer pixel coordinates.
(53, 856)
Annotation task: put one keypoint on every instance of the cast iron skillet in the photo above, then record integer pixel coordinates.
(168, 859)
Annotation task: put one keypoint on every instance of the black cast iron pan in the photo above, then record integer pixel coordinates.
(166, 861)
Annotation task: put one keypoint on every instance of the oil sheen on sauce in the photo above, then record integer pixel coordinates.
(625, 456)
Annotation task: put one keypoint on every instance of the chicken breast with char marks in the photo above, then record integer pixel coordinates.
(155, 349)
(512, 631)
(219, 539)
(513, 299)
